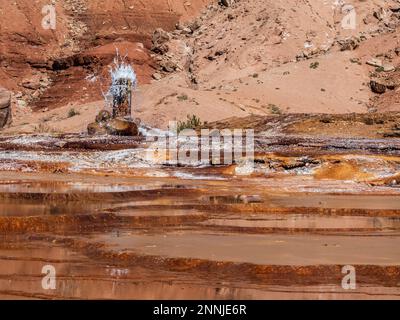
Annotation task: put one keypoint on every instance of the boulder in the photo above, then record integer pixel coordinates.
(375, 62)
(96, 128)
(5, 107)
(122, 127)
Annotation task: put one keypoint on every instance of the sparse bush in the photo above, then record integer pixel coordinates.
(43, 128)
(192, 122)
(72, 113)
(314, 65)
(182, 97)
(274, 109)
(326, 119)
(369, 121)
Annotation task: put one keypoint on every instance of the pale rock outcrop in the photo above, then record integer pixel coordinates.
(5, 107)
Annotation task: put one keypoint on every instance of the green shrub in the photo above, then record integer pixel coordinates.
(182, 97)
(192, 122)
(274, 109)
(72, 113)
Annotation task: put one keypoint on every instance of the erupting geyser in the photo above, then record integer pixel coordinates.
(123, 82)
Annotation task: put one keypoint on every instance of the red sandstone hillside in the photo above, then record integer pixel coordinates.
(251, 57)
(46, 68)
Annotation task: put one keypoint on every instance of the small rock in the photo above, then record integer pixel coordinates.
(227, 3)
(32, 85)
(186, 31)
(195, 25)
(349, 44)
(395, 8)
(388, 68)
(377, 87)
(60, 144)
(168, 65)
(380, 14)
(179, 26)
(157, 76)
(21, 103)
(375, 62)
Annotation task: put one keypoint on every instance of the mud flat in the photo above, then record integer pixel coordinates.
(115, 225)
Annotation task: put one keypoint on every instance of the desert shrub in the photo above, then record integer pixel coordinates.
(369, 121)
(182, 97)
(43, 128)
(274, 109)
(326, 119)
(192, 122)
(72, 113)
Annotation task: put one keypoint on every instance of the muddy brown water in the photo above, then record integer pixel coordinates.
(175, 239)
(116, 231)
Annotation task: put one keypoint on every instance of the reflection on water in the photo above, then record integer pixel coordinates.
(78, 187)
(126, 255)
(296, 221)
(18, 207)
(311, 200)
(268, 249)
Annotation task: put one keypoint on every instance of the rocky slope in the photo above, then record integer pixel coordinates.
(291, 56)
(50, 68)
(229, 58)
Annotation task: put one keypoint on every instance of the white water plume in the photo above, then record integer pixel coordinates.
(122, 73)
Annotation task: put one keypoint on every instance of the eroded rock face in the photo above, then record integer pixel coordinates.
(160, 38)
(86, 35)
(5, 107)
